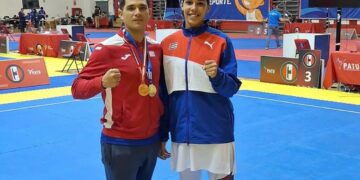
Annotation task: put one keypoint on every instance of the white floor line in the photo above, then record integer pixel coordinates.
(43, 105)
(253, 97)
(300, 104)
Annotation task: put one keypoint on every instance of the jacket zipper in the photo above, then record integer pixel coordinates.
(187, 91)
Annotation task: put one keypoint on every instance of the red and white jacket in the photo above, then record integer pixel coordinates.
(126, 114)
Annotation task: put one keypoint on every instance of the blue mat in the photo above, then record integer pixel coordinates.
(5, 58)
(248, 69)
(248, 43)
(14, 45)
(100, 34)
(58, 81)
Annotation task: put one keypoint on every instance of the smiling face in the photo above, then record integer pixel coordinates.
(135, 15)
(194, 12)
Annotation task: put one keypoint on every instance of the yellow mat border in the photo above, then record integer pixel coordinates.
(250, 85)
(303, 92)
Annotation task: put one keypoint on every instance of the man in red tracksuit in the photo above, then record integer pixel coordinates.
(125, 69)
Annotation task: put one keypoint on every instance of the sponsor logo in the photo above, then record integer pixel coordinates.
(351, 66)
(173, 46)
(209, 44)
(309, 60)
(34, 72)
(346, 66)
(125, 57)
(289, 72)
(269, 71)
(14, 73)
(339, 62)
(222, 2)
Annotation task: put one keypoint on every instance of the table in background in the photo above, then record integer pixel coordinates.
(49, 42)
(72, 29)
(104, 21)
(304, 28)
(343, 67)
(319, 41)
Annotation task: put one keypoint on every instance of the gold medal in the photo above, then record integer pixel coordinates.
(143, 89)
(152, 90)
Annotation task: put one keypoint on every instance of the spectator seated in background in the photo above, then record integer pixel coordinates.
(296, 19)
(89, 22)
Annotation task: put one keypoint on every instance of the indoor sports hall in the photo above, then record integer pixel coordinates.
(289, 125)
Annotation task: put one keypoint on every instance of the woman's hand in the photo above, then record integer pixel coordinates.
(211, 68)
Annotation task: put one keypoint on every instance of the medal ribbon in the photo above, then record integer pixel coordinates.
(149, 71)
(144, 89)
(143, 57)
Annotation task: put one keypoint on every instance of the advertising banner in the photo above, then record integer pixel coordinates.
(309, 68)
(303, 71)
(22, 73)
(280, 70)
(245, 10)
(255, 10)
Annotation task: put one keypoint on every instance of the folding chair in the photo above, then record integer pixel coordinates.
(301, 44)
(6, 31)
(83, 38)
(65, 31)
(74, 56)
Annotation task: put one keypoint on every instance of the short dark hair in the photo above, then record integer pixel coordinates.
(122, 3)
(208, 2)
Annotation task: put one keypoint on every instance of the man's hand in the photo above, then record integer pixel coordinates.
(163, 153)
(210, 68)
(111, 78)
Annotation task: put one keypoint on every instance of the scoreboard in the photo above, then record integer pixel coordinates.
(302, 71)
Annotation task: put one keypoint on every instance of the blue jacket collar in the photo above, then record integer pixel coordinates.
(127, 36)
(195, 31)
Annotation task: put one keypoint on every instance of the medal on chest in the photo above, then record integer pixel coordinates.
(145, 69)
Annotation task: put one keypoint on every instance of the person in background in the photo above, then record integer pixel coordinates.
(111, 13)
(42, 13)
(22, 20)
(81, 18)
(273, 26)
(35, 18)
(200, 114)
(96, 16)
(296, 19)
(42, 16)
(125, 69)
